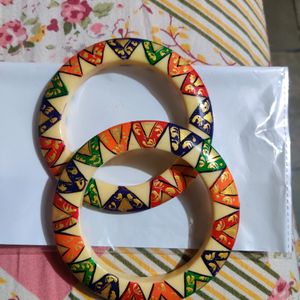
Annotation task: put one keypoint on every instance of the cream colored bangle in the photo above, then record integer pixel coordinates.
(180, 283)
(93, 59)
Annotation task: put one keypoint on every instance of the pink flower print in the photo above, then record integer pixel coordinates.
(12, 33)
(53, 26)
(96, 28)
(282, 290)
(6, 2)
(74, 11)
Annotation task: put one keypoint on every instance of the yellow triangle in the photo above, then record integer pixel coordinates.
(43, 118)
(57, 214)
(230, 190)
(208, 117)
(156, 46)
(168, 176)
(116, 133)
(64, 176)
(147, 126)
(183, 133)
(62, 250)
(85, 150)
(232, 230)
(221, 210)
(106, 190)
(125, 205)
(123, 42)
(220, 263)
(200, 285)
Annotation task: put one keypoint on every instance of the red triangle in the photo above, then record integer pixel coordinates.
(193, 85)
(133, 292)
(223, 224)
(72, 67)
(224, 190)
(74, 245)
(162, 290)
(175, 68)
(54, 149)
(93, 54)
(153, 138)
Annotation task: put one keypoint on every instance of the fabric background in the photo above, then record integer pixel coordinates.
(210, 32)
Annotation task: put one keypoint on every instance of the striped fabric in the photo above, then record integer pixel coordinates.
(236, 27)
(244, 276)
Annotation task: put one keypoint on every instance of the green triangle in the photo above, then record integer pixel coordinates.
(89, 153)
(91, 195)
(155, 52)
(56, 88)
(190, 281)
(86, 266)
(209, 160)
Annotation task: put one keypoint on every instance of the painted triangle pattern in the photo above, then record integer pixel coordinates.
(161, 188)
(180, 144)
(194, 281)
(93, 54)
(56, 88)
(214, 260)
(178, 65)
(73, 180)
(90, 154)
(53, 149)
(91, 194)
(193, 85)
(106, 287)
(66, 214)
(150, 52)
(202, 117)
(225, 229)
(155, 52)
(116, 139)
(72, 67)
(162, 290)
(133, 292)
(72, 245)
(123, 47)
(150, 140)
(123, 200)
(49, 116)
(86, 267)
(224, 190)
(210, 160)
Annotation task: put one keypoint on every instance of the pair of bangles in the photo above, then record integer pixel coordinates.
(75, 171)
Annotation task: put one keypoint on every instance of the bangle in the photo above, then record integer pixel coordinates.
(93, 59)
(180, 283)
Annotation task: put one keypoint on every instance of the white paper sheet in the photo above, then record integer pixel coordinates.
(251, 133)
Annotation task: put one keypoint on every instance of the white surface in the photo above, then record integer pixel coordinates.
(250, 110)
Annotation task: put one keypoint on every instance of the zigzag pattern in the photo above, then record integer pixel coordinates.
(78, 255)
(95, 56)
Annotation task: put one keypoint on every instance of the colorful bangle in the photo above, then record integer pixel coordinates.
(93, 59)
(180, 283)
